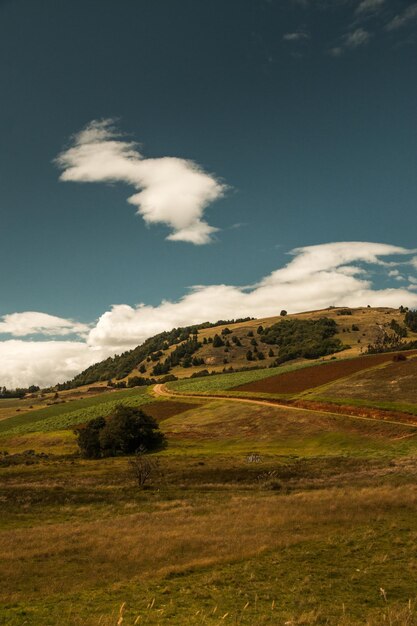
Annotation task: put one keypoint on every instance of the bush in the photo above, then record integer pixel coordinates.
(283, 313)
(125, 431)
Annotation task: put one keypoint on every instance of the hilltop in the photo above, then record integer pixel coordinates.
(230, 345)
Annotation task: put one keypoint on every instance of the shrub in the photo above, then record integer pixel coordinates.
(283, 313)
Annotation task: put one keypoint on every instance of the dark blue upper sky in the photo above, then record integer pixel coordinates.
(307, 110)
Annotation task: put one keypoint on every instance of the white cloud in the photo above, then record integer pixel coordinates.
(316, 277)
(171, 191)
(33, 323)
(400, 20)
(43, 363)
(369, 6)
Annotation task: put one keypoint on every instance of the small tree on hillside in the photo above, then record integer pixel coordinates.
(125, 431)
(217, 341)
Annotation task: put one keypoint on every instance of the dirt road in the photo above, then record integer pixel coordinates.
(408, 420)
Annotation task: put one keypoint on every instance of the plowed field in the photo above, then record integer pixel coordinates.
(310, 377)
(166, 408)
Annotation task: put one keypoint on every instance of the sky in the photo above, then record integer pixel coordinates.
(168, 162)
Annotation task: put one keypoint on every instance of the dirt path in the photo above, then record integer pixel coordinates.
(409, 420)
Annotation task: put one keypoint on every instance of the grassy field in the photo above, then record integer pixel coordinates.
(65, 415)
(255, 515)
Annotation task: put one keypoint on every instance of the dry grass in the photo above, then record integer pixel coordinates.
(179, 535)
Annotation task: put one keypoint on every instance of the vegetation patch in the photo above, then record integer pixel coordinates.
(303, 338)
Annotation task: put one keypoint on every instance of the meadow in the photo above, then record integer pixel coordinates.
(255, 514)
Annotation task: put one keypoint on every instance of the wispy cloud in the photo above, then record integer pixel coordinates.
(358, 37)
(171, 191)
(315, 277)
(369, 6)
(352, 40)
(402, 19)
(296, 36)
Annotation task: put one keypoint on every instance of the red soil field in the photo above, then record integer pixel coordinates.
(315, 376)
(165, 409)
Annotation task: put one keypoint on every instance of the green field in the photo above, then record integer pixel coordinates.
(68, 414)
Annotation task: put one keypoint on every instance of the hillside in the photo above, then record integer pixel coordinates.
(250, 343)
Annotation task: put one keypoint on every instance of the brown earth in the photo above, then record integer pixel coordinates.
(310, 377)
(165, 409)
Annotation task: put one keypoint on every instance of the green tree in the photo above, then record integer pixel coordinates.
(127, 430)
(88, 438)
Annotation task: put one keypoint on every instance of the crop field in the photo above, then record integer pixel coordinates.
(302, 379)
(396, 382)
(65, 415)
(224, 382)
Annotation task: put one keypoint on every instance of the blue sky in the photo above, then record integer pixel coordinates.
(292, 122)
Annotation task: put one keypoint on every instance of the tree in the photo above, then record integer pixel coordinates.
(125, 431)
(283, 313)
(249, 355)
(88, 437)
(143, 468)
(217, 341)
(410, 320)
(142, 368)
(271, 352)
(260, 330)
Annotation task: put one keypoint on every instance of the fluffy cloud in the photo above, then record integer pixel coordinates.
(171, 191)
(34, 323)
(24, 363)
(316, 277)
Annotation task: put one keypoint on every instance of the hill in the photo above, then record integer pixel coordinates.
(252, 343)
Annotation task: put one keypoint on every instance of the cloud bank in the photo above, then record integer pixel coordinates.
(316, 277)
(171, 191)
